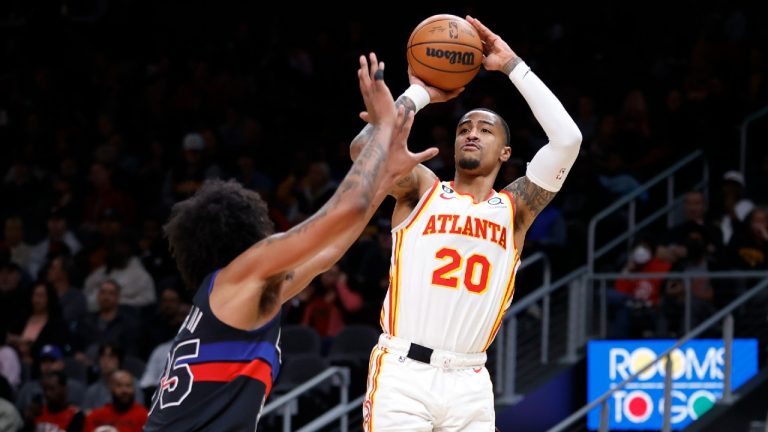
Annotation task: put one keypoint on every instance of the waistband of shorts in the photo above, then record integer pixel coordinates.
(438, 358)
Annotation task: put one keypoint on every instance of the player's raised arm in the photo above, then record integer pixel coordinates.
(413, 184)
(551, 164)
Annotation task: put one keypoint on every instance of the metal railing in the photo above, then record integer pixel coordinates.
(288, 403)
(506, 343)
(743, 141)
(686, 277)
(725, 314)
(339, 411)
(630, 201)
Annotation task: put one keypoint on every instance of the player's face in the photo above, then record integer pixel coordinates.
(480, 144)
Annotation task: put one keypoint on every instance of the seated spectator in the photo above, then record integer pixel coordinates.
(124, 267)
(72, 300)
(163, 324)
(697, 259)
(55, 413)
(10, 367)
(695, 213)
(59, 239)
(43, 324)
(736, 206)
(99, 393)
(643, 259)
(13, 241)
(14, 296)
(748, 249)
(123, 413)
(333, 300)
(633, 301)
(51, 360)
(109, 324)
(10, 420)
(105, 196)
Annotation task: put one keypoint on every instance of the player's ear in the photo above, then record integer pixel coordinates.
(506, 153)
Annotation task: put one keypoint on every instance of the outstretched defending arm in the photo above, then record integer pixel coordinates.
(240, 285)
(551, 164)
(411, 186)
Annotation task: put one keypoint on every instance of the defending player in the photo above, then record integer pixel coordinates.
(225, 357)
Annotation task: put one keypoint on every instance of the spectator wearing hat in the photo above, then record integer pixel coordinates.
(736, 206)
(188, 175)
(51, 360)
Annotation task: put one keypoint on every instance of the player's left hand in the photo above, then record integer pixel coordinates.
(497, 52)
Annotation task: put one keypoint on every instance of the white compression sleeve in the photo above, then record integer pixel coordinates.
(552, 162)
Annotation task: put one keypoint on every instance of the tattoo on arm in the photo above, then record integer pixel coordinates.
(528, 197)
(511, 65)
(359, 182)
(365, 135)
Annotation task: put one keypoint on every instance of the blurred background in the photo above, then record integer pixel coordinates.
(113, 110)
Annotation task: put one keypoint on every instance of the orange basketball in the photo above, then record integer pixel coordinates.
(445, 51)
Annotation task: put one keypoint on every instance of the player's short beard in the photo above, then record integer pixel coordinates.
(469, 164)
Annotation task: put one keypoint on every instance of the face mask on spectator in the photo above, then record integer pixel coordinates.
(641, 255)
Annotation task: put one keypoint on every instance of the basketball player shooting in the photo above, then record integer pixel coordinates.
(456, 248)
(225, 357)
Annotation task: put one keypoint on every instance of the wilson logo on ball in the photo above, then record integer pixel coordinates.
(454, 57)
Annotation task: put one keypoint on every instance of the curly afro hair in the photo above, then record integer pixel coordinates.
(208, 230)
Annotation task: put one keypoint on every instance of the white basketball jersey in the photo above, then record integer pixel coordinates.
(453, 270)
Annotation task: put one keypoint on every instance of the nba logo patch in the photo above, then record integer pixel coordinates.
(446, 189)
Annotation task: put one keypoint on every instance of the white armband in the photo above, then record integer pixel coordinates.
(418, 95)
(552, 162)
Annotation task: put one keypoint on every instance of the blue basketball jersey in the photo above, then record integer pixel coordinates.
(216, 377)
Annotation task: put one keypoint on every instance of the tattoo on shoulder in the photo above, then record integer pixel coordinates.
(533, 197)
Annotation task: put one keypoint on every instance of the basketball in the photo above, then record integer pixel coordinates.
(445, 51)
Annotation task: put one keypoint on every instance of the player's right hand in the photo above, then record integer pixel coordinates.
(435, 94)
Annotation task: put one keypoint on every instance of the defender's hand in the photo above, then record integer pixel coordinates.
(379, 105)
